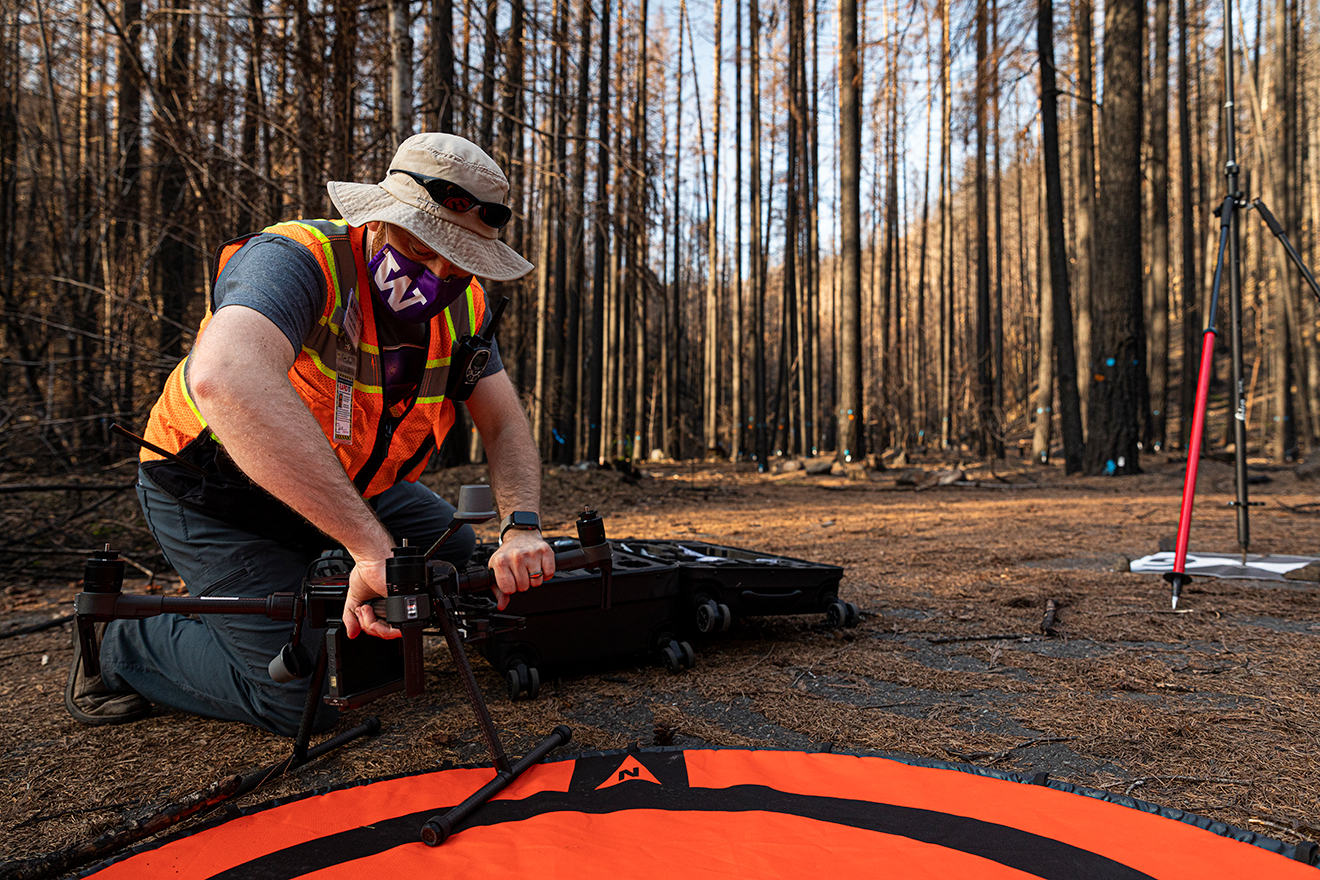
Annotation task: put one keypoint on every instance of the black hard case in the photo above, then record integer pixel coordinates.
(749, 582)
(566, 626)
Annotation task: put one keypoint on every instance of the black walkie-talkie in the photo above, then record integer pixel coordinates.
(469, 357)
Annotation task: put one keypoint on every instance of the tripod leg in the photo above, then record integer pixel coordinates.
(1239, 399)
(1277, 229)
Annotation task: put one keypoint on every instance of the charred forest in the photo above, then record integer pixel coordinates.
(762, 229)
(969, 242)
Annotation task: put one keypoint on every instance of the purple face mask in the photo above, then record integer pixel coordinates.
(409, 289)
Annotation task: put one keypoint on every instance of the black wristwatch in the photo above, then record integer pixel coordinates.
(520, 519)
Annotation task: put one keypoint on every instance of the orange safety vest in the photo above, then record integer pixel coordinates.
(384, 448)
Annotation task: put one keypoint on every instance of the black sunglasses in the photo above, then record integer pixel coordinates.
(455, 198)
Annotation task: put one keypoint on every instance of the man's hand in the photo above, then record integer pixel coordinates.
(366, 582)
(523, 560)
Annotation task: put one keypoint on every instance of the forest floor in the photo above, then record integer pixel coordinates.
(1211, 709)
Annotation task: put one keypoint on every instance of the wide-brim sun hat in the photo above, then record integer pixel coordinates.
(462, 238)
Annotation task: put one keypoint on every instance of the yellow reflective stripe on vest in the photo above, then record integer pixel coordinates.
(324, 337)
(324, 322)
(431, 388)
(435, 374)
(358, 385)
(322, 341)
(327, 246)
(187, 398)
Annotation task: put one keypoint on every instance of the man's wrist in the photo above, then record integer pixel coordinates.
(522, 520)
(377, 544)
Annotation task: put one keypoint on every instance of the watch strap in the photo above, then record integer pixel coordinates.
(520, 519)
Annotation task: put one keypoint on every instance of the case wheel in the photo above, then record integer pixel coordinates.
(836, 613)
(842, 614)
(522, 679)
(713, 616)
(677, 655)
(707, 614)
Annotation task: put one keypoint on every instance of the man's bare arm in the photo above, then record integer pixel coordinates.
(515, 478)
(238, 377)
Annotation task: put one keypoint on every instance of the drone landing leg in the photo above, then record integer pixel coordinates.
(438, 828)
(302, 750)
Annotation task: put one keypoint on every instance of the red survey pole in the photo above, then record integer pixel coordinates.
(1179, 576)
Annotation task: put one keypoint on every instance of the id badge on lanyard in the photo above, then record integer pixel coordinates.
(346, 369)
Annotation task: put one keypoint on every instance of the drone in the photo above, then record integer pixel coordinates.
(423, 594)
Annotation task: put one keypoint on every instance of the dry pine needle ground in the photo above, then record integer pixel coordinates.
(1212, 710)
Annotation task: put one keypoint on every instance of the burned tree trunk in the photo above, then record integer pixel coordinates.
(1059, 299)
(851, 445)
(1118, 344)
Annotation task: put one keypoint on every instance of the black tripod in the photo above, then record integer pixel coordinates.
(1227, 212)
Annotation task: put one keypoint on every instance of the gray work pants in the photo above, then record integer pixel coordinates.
(217, 665)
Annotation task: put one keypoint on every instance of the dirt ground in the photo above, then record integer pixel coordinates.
(1211, 709)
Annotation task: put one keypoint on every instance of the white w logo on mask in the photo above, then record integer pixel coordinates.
(397, 286)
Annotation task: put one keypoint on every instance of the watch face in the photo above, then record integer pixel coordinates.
(522, 519)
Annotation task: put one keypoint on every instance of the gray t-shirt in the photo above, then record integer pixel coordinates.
(280, 278)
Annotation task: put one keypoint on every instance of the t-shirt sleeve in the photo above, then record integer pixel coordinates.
(277, 277)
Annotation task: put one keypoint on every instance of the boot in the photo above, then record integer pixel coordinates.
(90, 701)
